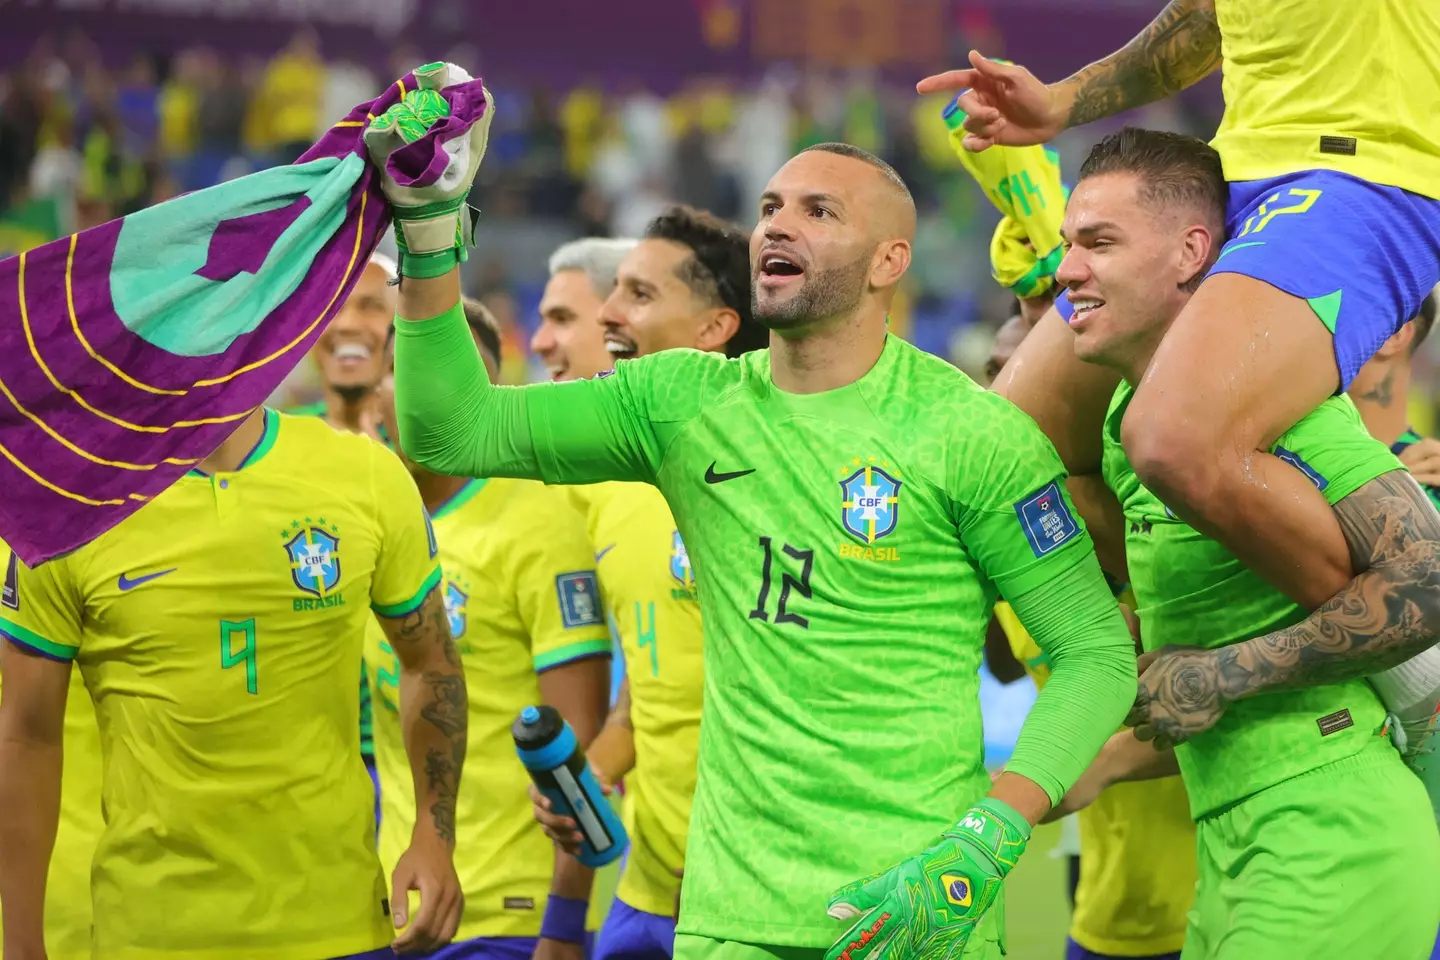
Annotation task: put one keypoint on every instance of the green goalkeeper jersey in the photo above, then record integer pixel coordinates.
(847, 548)
(1190, 590)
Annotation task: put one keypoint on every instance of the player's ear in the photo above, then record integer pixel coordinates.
(1397, 343)
(716, 328)
(892, 259)
(1198, 250)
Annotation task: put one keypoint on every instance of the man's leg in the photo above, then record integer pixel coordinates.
(1320, 269)
(1064, 395)
(1242, 364)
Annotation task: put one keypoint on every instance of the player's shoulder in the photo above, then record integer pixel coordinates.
(931, 387)
(529, 511)
(678, 382)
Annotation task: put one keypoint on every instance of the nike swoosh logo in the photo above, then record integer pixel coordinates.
(603, 552)
(712, 477)
(127, 583)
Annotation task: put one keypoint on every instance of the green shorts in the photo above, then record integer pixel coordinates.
(985, 944)
(1342, 862)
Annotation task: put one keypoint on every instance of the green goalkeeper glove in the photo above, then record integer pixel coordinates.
(928, 905)
(433, 228)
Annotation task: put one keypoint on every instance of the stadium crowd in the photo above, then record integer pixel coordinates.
(534, 544)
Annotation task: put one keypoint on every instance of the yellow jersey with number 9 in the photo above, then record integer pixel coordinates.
(649, 592)
(1334, 84)
(521, 596)
(1137, 847)
(219, 632)
(67, 887)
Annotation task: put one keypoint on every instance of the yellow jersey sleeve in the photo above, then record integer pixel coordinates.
(42, 610)
(406, 569)
(556, 591)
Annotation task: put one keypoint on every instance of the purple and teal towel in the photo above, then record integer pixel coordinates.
(133, 349)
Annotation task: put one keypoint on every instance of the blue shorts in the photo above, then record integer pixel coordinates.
(480, 948)
(1073, 951)
(630, 934)
(1363, 255)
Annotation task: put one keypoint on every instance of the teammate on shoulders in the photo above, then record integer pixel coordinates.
(847, 502)
(219, 633)
(524, 609)
(1283, 321)
(1295, 793)
(569, 341)
(687, 284)
(1381, 391)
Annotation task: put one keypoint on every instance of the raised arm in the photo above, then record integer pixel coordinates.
(32, 723)
(1007, 105)
(1383, 617)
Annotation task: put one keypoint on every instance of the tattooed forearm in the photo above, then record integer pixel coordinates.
(1180, 47)
(434, 706)
(1383, 617)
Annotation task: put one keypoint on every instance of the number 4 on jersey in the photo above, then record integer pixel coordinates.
(787, 583)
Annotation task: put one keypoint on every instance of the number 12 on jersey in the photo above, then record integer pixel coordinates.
(800, 585)
(230, 657)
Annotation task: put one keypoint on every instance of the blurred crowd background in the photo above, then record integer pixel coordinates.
(605, 113)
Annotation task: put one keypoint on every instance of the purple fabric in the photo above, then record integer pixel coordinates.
(1435, 954)
(484, 948)
(630, 934)
(127, 417)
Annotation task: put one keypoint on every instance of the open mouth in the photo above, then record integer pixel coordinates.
(620, 346)
(557, 371)
(1085, 307)
(351, 353)
(779, 267)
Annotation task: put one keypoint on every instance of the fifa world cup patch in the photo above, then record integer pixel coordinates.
(579, 596)
(1046, 519)
(11, 595)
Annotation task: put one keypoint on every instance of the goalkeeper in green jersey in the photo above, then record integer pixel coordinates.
(851, 506)
(1314, 840)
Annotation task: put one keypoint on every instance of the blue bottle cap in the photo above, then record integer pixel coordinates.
(530, 715)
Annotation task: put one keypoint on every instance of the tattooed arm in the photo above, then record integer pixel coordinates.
(434, 712)
(1178, 48)
(1385, 616)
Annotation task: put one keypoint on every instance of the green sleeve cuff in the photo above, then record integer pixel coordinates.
(32, 641)
(393, 611)
(571, 652)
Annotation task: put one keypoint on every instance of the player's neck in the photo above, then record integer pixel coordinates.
(230, 454)
(343, 413)
(831, 354)
(1382, 393)
(437, 489)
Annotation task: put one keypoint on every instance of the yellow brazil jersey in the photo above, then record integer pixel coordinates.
(521, 595)
(67, 887)
(649, 593)
(1338, 84)
(219, 632)
(1137, 844)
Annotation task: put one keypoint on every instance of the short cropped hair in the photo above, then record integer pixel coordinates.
(598, 257)
(718, 268)
(1423, 321)
(864, 156)
(1172, 168)
(484, 325)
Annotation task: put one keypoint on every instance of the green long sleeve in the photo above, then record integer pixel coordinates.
(1074, 618)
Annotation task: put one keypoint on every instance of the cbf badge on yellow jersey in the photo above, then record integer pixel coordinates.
(870, 508)
(314, 551)
(680, 569)
(457, 599)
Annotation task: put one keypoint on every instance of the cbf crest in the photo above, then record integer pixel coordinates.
(870, 503)
(680, 562)
(457, 602)
(314, 551)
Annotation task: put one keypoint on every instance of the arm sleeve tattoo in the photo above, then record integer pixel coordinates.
(1180, 47)
(1383, 617)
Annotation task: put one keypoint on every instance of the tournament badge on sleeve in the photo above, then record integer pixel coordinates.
(136, 347)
